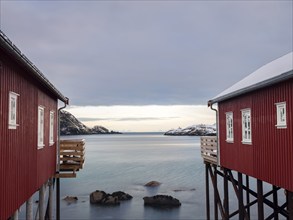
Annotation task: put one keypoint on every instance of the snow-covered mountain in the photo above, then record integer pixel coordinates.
(194, 130)
(69, 125)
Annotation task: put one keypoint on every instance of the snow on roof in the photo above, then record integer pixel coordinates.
(273, 72)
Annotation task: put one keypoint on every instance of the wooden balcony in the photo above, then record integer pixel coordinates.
(209, 149)
(71, 157)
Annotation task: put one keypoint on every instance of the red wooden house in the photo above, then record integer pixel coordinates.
(28, 128)
(256, 124)
(255, 130)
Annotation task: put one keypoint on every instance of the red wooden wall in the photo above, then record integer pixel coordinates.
(270, 157)
(23, 168)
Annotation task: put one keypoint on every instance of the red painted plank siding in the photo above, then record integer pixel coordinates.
(23, 168)
(270, 156)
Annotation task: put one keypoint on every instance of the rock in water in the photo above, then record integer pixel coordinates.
(103, 198)
(110, 200)
(161, 201)
(153, 184)
(70, 199)
(122, 196)
(97, 196)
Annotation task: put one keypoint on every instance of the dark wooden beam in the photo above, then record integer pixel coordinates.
(217, 195)
(215, 180)
(240, 199)
(290, 205)
(275, 201)
(207, 191)
(266, 201)
(247, 196)
(226, 194)
(235, 183)
(260, 200)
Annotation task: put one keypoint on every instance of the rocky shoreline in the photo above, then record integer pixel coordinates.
(70, 125)
(194, 130)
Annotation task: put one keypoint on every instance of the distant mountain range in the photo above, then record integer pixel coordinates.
(194, 130)
(69, 125)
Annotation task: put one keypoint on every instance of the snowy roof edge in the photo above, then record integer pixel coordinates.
(278, 70)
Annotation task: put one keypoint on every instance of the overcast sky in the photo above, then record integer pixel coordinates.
(105, 53)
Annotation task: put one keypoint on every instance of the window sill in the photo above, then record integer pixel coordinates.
(12, 126)
(246, 142)
(230, 141)
(51, 144)
(281, 126)
(41, 146)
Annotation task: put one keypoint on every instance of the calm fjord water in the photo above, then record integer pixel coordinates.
(126, 162)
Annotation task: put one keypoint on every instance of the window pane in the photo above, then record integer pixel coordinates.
(246, 126)
(40, 127)
(229, 126)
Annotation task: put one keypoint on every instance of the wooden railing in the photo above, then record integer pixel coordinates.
(71, 157)
(209, 149)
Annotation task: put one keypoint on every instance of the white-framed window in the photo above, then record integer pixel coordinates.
(229, 127)
(41, 111)
(246, 126)
(51, 131)
(281, 115)
(12, 111)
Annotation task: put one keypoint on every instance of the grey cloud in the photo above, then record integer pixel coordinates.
(137, 53)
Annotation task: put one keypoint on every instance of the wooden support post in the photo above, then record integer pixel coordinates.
(215, 192)
(29, 209)
(275, 200)
(260, 200)
(42, 202)
(226, 194)
(290, 205)
(58, 198)
(247, 196)
(51, 198)
(240, 197)
(207, 192)
(236, 189)
(217, 195)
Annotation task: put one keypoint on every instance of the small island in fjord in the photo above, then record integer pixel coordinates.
(70, 125)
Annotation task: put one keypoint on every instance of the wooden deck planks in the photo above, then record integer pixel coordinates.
(72, 157)
(209, 149)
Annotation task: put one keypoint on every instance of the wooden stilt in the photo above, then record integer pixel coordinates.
(275, 200)
(58, 198)
(236, 189)
(217, 195)
(290, 205)
(207, 192)
(240, 198)
(29, 209)
(226, 194)
(247, 196)
(215, 192)
(260, 200)
(42, 202)
(51, 199)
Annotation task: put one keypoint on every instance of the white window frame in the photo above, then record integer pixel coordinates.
(281, 115)
(51, 129)
(41, 126)
(229, 127)
(12, 111)
(246, 126)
